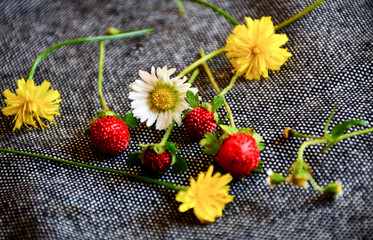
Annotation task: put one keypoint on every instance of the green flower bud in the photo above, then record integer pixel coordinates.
(274, 179)
(333, 189)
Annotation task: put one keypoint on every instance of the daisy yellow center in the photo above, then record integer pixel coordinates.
(163, 97)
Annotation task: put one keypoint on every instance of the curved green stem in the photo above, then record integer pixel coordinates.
(193, 77)
(231, 83)
(316, 186)
(100, 73)
(353, 134)
(215, 85)
(130, 175)
(123, 34)
(201, 61)
(218, 10)
(303, 147)
(180, 6)
(299, 15)
(328, 122)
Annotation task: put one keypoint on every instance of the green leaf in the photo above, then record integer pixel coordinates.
(171, 147)
(133, 159)
(210, 143)
(258, 169)
(130, 120)
(260, 162)
(159, 148)
(248, 131)
(341, 128)
(217, 102)
(179, 165)
(257, 138)
(228, 129)
(192, 99)
(261, 146)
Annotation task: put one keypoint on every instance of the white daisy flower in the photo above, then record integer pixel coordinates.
(159, 97)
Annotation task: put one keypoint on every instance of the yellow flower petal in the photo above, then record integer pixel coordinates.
(31, 103)
(255, 48)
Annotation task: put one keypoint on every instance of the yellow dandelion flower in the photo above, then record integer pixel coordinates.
(254, 49)
(31, 102)
(207, 196)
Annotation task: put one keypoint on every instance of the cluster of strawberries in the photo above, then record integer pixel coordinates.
(236, 151)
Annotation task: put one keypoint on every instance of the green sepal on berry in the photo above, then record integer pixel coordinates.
(130, 120)
(133, 159)
(100, 114)
(178, 163)
(192, 99)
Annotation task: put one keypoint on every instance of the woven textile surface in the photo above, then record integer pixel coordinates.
(331, 66)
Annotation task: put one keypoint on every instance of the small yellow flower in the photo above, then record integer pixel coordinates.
(254, 49)
(207, 196)
(31, 102)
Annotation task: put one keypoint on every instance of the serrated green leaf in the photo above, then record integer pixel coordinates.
(228, 129)
(180, 165)
(192, 99)
(130, 120)
(217, 102)
(171, 147)
(260, 162)
(341, 128)
(210, 143)
(133, 159)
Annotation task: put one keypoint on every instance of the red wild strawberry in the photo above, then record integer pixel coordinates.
(199, 121)
(109, 135)
(239, 154)
(157, 162)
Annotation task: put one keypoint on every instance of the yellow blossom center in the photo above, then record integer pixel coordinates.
(163, 98)
(256, 50)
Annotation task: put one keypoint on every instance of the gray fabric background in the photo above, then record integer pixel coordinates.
(331, 66)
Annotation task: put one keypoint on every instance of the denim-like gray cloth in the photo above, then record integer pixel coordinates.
(331, 66)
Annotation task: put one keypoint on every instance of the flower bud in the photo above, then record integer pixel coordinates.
(288, 132)
(274, 179)
(333, 189)
(300, 180)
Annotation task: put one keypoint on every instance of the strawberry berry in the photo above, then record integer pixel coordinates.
(239, 154)
(157, 162)
(199, 121)
(109, 135)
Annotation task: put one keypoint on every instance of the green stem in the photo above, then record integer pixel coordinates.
(316, 186)
(328, 122)
(353, 134)
(303, 147)
(201, 61)
(297, 134)
(168, 133)
(126, 34)
(231, 83)
(299, 15)
(218, 10)
(100, 73)
(180, 6)
(130, 175)
(215, 85)
(193, 77)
